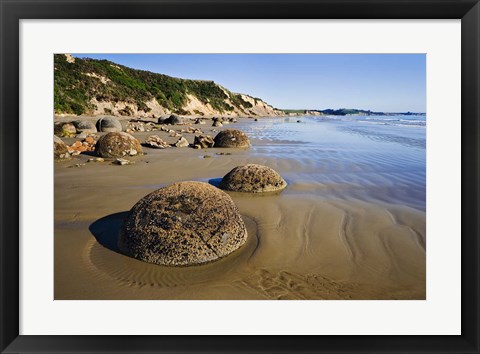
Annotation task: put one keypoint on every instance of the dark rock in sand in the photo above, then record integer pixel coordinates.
(109, 125)
(118, 145)
(231, 138)
(204, 141)
(200, 121)
(217, 123)
(84, 126)
(173, 119)
(186, 223)
(60, 150)
(253, 178)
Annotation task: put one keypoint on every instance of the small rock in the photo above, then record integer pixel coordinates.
(154, 141)
(121, 162)
(204, 141)
(256, 119)
(77, 165)
(60, 149)
(207, 156)
(82, 135)
(97, 159)
(217, 123)
(182, 142)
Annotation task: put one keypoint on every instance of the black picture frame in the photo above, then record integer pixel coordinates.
(12, 11)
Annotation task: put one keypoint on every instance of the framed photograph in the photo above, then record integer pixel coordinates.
(237, 176)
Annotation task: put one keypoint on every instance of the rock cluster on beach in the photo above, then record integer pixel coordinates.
(118, 144)
(85, 145)
(253, 178)
(186, 223)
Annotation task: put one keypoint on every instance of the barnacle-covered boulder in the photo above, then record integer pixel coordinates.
(253, 178)
(185, 223)
(231, 138)
(118, 145)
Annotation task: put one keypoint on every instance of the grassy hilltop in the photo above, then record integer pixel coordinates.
(81, 84)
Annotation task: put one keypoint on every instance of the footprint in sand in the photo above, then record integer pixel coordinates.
(285, 285)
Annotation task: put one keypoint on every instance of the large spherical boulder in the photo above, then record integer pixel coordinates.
(186, 223)
(109, 125)
(253, 178)
(232, 138)
(60, 150)
(173, 119)
(118, 145)
(84, 126)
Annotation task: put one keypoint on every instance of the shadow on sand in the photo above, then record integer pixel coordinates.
(107, 230)
(215, 182)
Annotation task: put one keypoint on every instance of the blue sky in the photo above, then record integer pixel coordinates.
(379, 82)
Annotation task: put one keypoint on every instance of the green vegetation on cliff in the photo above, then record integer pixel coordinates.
(77, 82)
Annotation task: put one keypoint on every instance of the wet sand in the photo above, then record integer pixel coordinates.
(312, 241)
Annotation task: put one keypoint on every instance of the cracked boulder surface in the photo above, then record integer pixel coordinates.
(231, 138)
(253, 178)
(183, 224)
(118, 145)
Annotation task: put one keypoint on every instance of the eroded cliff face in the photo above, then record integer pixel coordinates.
(99, 87)
(193, 107)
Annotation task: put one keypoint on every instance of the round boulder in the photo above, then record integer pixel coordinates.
(85, 126)
(60, 150)
(64, 129)
(109, 125)
(185, 223)
(173, 119)
(118, 145)
(253, 178)
(232, 138)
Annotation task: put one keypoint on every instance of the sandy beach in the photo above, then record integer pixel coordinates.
(349, 225)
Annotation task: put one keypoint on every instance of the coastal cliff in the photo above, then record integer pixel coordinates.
(100, 87)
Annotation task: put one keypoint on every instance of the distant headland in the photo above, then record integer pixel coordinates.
(347, 112)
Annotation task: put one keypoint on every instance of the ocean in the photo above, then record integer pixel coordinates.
(370, 158)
